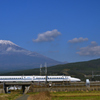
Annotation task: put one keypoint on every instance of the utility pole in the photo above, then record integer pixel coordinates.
(45, 72)
(40, 69)
(92, 75)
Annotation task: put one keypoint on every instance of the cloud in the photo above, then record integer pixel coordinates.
(11, 49)
(93, 43)
(54, 51)
(78, 40)
(47, 36)
(91, 50)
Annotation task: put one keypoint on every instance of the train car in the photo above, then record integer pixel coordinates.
(38, 78)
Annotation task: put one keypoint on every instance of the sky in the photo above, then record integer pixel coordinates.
(64, 30)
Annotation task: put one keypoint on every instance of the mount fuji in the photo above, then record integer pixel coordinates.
(13, 57)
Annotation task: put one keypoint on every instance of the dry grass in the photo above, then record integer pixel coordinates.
(3, 98)
(75, 95)
(40, 96)
(10, 96)
(13, 96)
(78, 95)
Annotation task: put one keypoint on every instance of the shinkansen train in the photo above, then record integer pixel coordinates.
(38, 78)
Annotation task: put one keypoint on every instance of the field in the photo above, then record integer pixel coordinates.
(76, 95)
(10, 96)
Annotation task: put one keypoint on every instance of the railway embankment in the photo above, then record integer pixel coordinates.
(56, 87)
(63, 89)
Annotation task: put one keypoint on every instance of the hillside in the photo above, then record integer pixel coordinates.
(14, 57)
(78, 69)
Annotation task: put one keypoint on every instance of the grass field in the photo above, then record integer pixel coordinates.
(78, 98)
(80, 95)
(76, 95)
(10, 96)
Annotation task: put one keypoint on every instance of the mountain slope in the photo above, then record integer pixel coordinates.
(13, 57)
(78, 69)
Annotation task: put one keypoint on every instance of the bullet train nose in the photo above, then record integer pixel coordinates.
(75, 79)
(78, 79)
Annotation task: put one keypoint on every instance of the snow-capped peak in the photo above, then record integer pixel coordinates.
(6, 42)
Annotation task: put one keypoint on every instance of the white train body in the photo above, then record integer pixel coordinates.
(37, 79)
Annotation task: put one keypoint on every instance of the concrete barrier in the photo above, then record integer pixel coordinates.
(26, 89)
